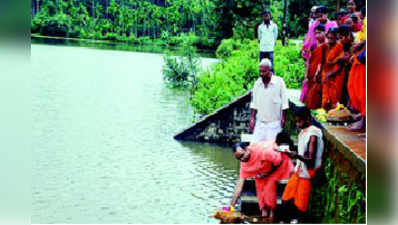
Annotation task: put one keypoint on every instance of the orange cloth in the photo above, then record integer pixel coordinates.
(314, 97)
(357, 86)
(333, 88)
(262, 156)
(299, 189)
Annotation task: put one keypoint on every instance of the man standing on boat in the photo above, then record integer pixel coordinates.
(269, 104)
(267, 35)
(309, 159)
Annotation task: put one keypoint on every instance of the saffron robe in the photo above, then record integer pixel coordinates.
(357, 86)
(299, 186)
(333, 88)
(262, 157)
(314, 96)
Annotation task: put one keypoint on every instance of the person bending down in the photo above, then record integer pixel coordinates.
(267, 165)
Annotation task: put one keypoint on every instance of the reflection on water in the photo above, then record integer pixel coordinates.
(121, 46)
(103, 147)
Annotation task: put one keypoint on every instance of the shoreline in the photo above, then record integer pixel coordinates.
(153, 47)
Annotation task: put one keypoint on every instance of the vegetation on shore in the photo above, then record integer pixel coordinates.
(167, 21)
(234, 75)
(237, 71)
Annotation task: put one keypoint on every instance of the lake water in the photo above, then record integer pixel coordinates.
(103, 148)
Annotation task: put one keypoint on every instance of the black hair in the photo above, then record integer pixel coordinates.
(240, 145)
(344, 30)
(354, 17)
(363, 11)
(321, 9)
(265, 12)
(320, 27)
(303, 112)
(284, 138)
(333, 30)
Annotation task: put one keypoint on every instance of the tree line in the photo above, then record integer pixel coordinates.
(161, 19)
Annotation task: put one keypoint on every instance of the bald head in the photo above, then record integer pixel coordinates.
(266, 62)
(265, 71)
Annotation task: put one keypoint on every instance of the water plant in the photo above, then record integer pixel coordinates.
(337, 199)
(181, 71)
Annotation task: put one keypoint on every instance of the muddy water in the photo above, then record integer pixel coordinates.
(103, 150)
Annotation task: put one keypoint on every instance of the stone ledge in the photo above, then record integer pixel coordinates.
(352, 147)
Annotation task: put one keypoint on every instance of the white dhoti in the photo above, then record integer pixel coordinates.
(266, 131)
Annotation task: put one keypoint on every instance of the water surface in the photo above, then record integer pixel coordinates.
(103, 149)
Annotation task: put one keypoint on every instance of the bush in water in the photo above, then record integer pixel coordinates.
(181, 71)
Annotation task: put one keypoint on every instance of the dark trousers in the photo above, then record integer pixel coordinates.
(268, 55)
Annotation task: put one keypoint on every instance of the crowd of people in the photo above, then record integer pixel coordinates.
(335, 56)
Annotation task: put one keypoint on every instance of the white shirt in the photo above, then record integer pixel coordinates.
(267, 36)
(303, 140)
(269, 102)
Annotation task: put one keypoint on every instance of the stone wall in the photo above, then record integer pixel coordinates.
(224, 126)
(339, 190)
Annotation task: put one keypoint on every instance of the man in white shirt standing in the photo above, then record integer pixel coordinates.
(269, 104)
(267, 35)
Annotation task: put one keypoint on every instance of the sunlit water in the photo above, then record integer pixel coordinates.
(103, 143)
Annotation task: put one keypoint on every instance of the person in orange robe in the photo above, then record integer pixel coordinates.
(346, 38)
(261, 161)
(357, 88)
(297, 192)
(313, 73)
(333, 72)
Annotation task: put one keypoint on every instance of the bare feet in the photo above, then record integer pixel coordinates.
(271, 214)
(357, 116)
(264, 213)
(359, 126)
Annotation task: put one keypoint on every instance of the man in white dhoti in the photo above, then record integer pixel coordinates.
(269, 104)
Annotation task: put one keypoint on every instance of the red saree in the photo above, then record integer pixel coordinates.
(357, 86)
(314, 97)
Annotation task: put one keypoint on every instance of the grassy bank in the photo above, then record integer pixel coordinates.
(238, 70)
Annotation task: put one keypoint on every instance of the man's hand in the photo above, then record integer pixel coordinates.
(252, 124)
(283, 121)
